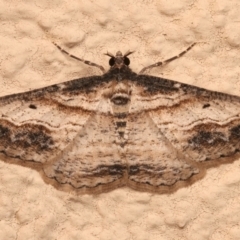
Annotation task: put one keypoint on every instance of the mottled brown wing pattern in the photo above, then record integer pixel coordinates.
(120, 129)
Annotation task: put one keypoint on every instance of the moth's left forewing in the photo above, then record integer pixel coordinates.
(202, 124)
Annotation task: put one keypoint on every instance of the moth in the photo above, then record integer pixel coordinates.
(121, 128)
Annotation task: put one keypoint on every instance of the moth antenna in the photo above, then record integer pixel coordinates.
(168, 60)
(80, 59)
(109, 54)
(128, 53)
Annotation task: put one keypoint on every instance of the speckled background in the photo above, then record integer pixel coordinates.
(156, 30)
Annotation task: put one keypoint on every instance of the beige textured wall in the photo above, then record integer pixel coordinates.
(156, 30)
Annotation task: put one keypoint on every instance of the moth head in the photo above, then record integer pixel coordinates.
(119, 60)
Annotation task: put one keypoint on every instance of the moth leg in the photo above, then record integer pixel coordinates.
(166, 61)
(79, 59)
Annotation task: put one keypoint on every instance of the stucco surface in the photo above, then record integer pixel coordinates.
(156, 30)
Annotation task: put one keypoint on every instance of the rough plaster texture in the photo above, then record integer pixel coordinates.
(156, 30)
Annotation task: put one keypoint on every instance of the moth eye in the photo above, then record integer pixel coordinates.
(111, 61)
(126, 61)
